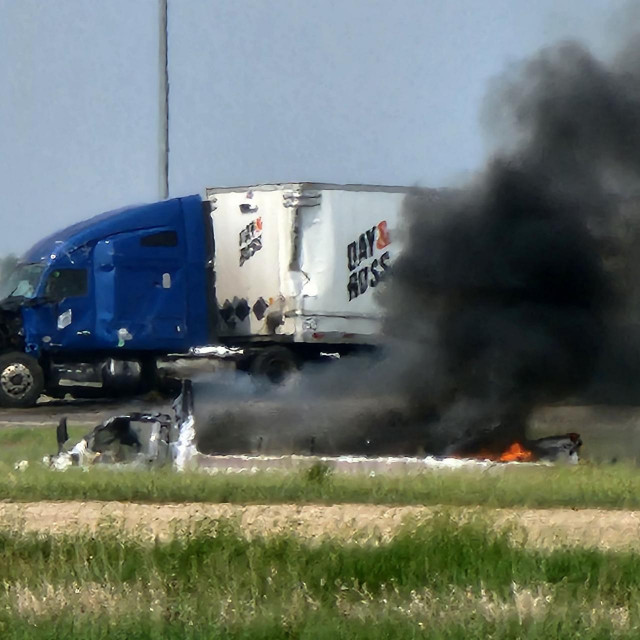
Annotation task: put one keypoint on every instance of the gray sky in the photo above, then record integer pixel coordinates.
(372, 91)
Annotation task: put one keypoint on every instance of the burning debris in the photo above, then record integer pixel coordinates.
(544, 451)
(152, 439)
(550, 449)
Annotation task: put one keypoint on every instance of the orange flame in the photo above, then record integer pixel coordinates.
(516, 453)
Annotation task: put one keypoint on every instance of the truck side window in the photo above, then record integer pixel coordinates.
(160, 239)
(66, 283)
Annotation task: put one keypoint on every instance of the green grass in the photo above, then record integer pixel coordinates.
(438, 578)
(613, 487)
(315, 626)
(437, 554)
(587, 485)
(32, 442)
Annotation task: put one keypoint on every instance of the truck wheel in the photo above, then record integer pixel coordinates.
(21, 380)
(274, 363)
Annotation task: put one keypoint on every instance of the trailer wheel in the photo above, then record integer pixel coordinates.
(274, 363)
(21, 380)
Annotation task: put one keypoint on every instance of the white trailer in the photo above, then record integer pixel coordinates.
(300, 263)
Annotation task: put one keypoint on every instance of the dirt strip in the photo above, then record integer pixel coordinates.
(543, 527)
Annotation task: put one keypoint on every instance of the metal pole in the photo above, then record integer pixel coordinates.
(163, 115)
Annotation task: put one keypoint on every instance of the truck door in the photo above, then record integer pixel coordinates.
(64, 318)
(67, 289)
(141, 290)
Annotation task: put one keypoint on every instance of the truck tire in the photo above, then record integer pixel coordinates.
(274, 363)
(21, 380)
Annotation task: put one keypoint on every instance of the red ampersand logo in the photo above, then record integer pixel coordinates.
(383, 235)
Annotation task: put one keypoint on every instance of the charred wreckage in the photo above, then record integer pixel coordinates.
(157, 439)
(138, 439)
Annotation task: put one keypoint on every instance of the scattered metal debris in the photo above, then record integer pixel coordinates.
(154, 439)
(141, 439)
(136, 438)
(558, 448)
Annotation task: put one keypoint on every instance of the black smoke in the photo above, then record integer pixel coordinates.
(518, 290)
(508, 293)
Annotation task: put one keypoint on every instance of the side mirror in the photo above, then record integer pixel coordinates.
(45, 299)
(37, 302)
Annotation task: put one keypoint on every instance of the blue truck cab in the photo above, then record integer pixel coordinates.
(94, 305)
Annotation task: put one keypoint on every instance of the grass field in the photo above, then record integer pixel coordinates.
(453, 574)
(438, 578)
(33, 442)
(585, 485)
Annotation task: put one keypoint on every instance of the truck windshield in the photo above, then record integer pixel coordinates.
(22, 282)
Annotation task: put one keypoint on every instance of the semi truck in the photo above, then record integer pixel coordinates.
(275, 274)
